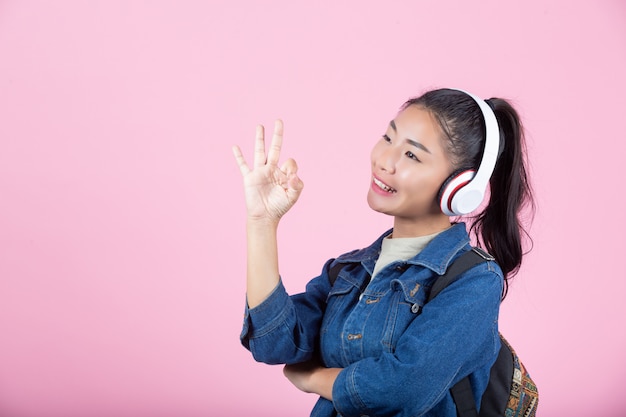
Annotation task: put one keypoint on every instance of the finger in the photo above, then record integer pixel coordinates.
(294, 186)
(243, 165)
(294, 183)
(289, 167)
(277, 142)
(259, 147)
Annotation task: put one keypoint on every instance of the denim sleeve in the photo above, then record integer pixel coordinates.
(283, 328)
(455, 335)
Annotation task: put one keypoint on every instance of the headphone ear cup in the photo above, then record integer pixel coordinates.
(451, 186)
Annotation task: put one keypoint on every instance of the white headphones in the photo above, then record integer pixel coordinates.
(464, 190)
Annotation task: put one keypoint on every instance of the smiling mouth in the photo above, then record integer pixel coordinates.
(384, 186)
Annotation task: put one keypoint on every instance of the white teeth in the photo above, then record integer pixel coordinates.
(384, 186)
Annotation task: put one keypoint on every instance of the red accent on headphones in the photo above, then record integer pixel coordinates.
(453, 192)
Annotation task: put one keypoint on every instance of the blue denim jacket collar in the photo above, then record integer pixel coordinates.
(436, 256)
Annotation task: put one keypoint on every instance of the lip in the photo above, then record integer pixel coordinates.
(376, 187)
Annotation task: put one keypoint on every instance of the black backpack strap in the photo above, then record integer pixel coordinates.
(463, 397)
(496, 397)
(333, 272)
(460, 265)
(461, 392)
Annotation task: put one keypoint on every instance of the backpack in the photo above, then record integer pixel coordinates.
(510, 391)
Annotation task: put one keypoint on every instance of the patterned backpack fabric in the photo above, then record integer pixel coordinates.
(524, 397)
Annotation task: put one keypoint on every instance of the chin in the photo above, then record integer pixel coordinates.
(377, 207)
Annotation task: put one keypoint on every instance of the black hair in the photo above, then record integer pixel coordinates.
(499, 227)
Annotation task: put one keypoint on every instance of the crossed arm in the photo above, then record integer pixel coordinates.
(312, 378)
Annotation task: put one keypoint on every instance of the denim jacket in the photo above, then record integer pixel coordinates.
(399, 355)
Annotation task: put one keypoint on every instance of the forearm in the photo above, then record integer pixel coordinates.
(262, 259)
(322, 382)
(270, 192)
(312, 378)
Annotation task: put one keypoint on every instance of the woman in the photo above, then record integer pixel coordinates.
(366, 342)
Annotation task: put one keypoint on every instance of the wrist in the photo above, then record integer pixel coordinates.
(262, 223)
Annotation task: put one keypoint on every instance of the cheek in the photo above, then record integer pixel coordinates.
(426, 184)
(375, 154)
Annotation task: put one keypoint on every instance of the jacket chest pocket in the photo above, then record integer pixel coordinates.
(341, 297)
(405, 304)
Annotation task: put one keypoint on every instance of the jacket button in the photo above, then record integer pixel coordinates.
(354, 336)
(415, 308)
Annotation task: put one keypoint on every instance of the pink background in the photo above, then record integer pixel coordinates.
(122, 254)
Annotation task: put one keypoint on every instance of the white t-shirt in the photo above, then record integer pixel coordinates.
(400, 249)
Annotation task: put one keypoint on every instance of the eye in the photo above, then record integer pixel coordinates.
(386, 138)
(412, 156)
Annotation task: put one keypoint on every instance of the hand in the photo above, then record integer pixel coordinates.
(311, 377)
(270, 191)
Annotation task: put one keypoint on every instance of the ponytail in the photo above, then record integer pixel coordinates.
(499, 227)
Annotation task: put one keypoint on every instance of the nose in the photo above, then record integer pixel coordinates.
(385, 159)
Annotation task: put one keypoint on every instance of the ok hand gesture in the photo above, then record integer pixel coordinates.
(270, 190)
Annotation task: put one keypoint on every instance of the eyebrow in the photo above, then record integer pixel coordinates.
(411, 141)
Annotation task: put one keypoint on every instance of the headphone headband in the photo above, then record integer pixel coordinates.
(458, 196)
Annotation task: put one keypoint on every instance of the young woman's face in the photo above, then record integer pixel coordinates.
(409, 165)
